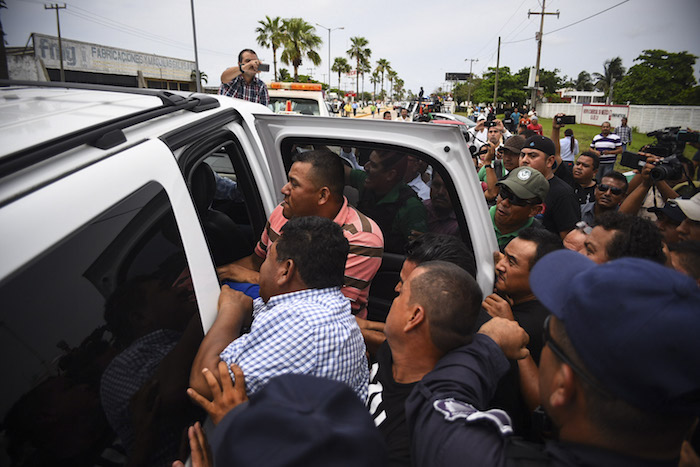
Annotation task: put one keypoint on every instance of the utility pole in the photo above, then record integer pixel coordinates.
(469, 85)
(498, 62)
(55, 6)
(533, 95)
(329, 51)
(196, 57)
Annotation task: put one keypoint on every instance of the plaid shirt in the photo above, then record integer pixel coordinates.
(625, 134)
(307, 332)
(256, 91)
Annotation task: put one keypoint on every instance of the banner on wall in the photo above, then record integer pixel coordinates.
(597, 114)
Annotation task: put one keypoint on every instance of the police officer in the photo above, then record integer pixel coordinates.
(618, 372)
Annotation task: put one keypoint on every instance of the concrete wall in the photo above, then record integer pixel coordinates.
(644, 117)
(26, 67)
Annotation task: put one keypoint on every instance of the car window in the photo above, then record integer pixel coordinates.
(296, 105)
(401, 211)
(98, 335)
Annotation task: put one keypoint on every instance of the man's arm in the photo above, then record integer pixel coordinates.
(244, 270)
(555, 139)
(230, 74)
(235, 310)
(491, 177)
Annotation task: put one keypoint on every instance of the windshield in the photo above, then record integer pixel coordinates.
(296, 105)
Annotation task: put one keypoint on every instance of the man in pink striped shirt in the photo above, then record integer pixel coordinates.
(315, 188)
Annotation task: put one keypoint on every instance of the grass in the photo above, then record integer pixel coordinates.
(585, 133)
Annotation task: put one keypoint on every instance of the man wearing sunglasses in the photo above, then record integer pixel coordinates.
(609, 194)
(519, 200)
(617, 377)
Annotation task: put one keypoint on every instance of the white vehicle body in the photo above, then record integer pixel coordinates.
(92, 180)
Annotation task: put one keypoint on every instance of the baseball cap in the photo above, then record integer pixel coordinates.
(526, 183)
(481, 117)
(299, 420)
(671, 211)
(633, 322)
(514, 144)
(541, 143)
(690, 207)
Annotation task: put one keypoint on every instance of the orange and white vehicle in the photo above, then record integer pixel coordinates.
(297, 99)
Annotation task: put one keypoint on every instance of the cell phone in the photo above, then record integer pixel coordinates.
(263, 67)
(490, 123)
(565, 120)
(632, 160)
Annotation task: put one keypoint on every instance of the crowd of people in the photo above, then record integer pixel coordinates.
(585, 353)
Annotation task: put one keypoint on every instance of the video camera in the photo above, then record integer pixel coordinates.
(671, 140)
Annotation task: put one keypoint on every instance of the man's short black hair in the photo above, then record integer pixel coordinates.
(635, 236)
(440, 247)
(617, 176)
(545, 240)
(240, 54)
(451, 299)
(386, 112)
(529, 134)
(393, 160)
(688, 253)
(327, 170)
(318, 248)
(592, 155)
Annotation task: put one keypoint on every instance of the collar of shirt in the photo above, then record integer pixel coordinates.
(259, 306)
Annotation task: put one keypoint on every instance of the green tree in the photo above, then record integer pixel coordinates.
(374, 79)
(340, 65)
(383, 66)
(271, 35)
(398, 88)
(660, 77)
(361, 53)
(202, 77)
(300, 41)
(510, 86)
(284, 75)
(391, 76)
(364, 68)
(613, 71)
(584, 82)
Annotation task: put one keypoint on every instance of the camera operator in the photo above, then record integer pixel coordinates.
(639, 190)
(241, 81)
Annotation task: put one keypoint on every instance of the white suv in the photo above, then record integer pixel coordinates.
(297, 99)
(111, 226)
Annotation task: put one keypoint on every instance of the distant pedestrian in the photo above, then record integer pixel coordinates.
(606, 146)
(625, 134)
(569, 148)
(354, 109)
(373, 109)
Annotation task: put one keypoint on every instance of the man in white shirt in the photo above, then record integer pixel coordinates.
(404, 116)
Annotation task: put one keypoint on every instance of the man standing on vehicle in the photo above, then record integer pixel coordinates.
(241, 81)
(315, 188)
(606, 146)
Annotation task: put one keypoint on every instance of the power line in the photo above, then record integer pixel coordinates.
(504, 25)
(587, 18)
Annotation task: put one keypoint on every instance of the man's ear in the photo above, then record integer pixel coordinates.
(550, 161)
(285, 272)
(564, 387)
(416, 318)
(536, 209)
(324, 194)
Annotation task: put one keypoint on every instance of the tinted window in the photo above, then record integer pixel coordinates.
(97, 337)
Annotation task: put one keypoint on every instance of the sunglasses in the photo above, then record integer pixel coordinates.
(505, 193)
(613, 189)
(561, 355)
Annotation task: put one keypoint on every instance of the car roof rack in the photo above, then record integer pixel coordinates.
(104, 135)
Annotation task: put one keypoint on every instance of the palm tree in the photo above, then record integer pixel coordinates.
(382, 67)
(364, 68)
(284, 74)
(202, 76)
(374, 79)
(392, 75)
(398, 88)
(340, 65)
(271, 35)
(300, 41)
(361, 53)
(583, 82)
(612, 72)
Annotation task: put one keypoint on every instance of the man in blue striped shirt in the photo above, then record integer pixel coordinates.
(301, 323)
(606, 146)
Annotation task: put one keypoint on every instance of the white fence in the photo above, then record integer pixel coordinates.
(644, 117)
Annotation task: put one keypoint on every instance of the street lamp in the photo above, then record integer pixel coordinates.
(469, 86)
(329, 51)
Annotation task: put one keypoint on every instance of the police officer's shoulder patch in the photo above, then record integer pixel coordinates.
(453, 410)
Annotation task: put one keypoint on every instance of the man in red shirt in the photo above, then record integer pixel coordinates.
(535, 125)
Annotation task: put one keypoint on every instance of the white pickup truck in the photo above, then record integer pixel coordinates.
(107, 199)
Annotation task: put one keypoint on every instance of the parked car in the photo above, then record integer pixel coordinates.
(111, 230)
(297, 98)
(459, 118)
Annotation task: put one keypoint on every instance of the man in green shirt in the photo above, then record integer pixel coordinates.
(384, 197)
(520, 199)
